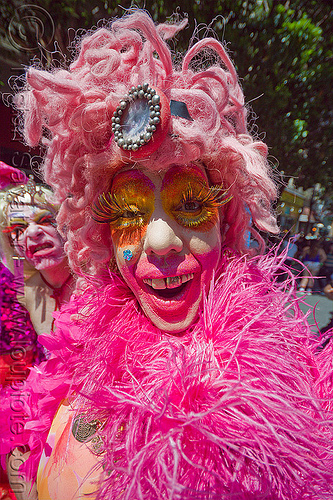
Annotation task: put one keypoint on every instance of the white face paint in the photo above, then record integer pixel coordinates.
(34, 235)
(166, 236)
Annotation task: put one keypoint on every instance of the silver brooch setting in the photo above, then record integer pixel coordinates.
(136, 118)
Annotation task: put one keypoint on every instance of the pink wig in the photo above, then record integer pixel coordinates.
(73, 108)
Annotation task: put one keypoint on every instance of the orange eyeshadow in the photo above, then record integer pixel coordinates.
(127, 207)
(187, 198)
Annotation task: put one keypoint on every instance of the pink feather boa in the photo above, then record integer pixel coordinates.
(227, 410)
(325, 382)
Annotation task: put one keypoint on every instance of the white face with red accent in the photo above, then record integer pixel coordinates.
(166, 236)
(33, 233)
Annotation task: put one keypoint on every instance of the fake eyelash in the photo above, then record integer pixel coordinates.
(107, 209)
(204, 216)
(216, 196)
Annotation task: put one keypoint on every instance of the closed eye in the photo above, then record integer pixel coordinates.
(47, 219)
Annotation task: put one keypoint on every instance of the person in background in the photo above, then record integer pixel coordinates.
(292, 249)
(327, 269)
(19, 347)
(301, 243)
(180, 369)
(313, 256)
(326, 331)
(35, 278)
(289, 248)
(29, 232)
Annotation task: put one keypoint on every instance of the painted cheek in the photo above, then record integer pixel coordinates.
(127, 247)
(128, 236)
(209, 260)
(207, 251)
(207, 243)
(134, 195)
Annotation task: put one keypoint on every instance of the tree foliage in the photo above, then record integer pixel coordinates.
(282, 50)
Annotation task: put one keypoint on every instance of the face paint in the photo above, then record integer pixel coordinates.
(33, 233)
(127, 207)
(172, 262)
(187, 197)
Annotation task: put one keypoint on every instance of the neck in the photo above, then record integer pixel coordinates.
(57, 275)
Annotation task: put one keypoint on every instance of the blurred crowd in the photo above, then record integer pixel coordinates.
(309, 259)
(315, 262)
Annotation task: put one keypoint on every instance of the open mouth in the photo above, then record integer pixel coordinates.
(40, 249)
(170, 287)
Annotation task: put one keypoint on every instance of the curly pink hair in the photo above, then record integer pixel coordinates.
(75, 106)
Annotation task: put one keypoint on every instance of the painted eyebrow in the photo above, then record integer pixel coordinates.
(17, 220)
(133, 175)
(195, 177)
(42, 214)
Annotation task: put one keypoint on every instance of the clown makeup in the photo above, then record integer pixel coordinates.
(169, 221)
(33, 233)
(127, 207)
(188, 199)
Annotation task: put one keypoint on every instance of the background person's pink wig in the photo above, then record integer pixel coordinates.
(72, 110)
(10, 176)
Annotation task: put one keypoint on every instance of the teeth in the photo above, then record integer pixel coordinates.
(158, 284)
(169, 282)
(173, 281)
(187, 277)
(41, 247)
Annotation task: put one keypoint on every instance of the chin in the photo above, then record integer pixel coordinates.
(171, 327)
(47, 263)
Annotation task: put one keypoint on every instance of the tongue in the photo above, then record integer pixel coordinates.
(43, 251)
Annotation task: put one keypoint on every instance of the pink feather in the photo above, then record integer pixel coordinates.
(227, 410)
